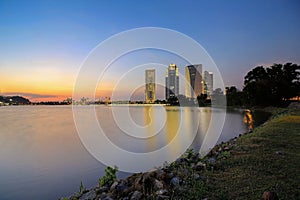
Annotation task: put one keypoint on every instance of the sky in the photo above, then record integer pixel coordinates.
(44, 43)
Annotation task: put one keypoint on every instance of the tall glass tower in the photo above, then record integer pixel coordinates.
(150, 93)
(172, 81)
(193, 81)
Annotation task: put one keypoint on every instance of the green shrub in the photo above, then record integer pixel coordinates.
(110, 176)
(81, 188)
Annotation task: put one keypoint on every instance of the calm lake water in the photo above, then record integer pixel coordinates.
(42, 157)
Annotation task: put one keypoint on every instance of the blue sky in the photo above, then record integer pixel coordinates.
(44, 42)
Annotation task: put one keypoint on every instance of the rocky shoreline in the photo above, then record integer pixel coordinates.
(172, 181)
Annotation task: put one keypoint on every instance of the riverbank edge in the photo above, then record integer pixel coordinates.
(189, 177)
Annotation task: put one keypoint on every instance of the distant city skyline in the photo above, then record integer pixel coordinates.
(44, 43)
(196, 83)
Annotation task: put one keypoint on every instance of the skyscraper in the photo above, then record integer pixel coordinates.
(193, 81)
(172, 81)
(150, 93)
(208, 83)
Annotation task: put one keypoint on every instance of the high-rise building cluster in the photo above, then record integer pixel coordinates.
(196, 82)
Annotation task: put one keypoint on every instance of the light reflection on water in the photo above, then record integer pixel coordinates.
(41, 156)
(248, 119)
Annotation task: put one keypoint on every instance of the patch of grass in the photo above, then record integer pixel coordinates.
(196, 190)
(192, 188)
(267, 159)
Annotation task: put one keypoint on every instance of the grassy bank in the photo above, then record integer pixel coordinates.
(267, 159)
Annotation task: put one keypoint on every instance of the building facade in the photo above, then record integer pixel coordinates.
(193, 75)
(150, 93)
(208, 83)
(172, 81)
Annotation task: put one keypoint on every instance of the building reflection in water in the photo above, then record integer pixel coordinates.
(171, 129)
(203, 115)
(179, 130)
(182, 126)
(248, 119)
(149, 124)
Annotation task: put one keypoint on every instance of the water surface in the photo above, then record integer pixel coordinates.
(42, 157)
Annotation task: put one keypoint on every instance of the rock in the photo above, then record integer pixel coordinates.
(102, 196)
(200, 166)
(180, 161)
(162, 197)
(170, 175)
(267, 195)
(212, 160)
(136, 195)
(102, 189)
(121, 187)
(138, 183)
(160, 174)
(106, 198)
(226, 148)
(121, 190)
(89, 195)
(162, 192)
(279, 152)
(113, 186)
(158, 185)
(197, 176)
(175, 181)
(148, 183)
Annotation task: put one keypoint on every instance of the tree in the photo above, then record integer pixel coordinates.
(173, 101)
(234, 96)
(257, 74)
(291, 74)
(273, 85)
(202, 99)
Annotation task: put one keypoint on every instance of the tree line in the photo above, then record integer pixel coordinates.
(265, 86)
